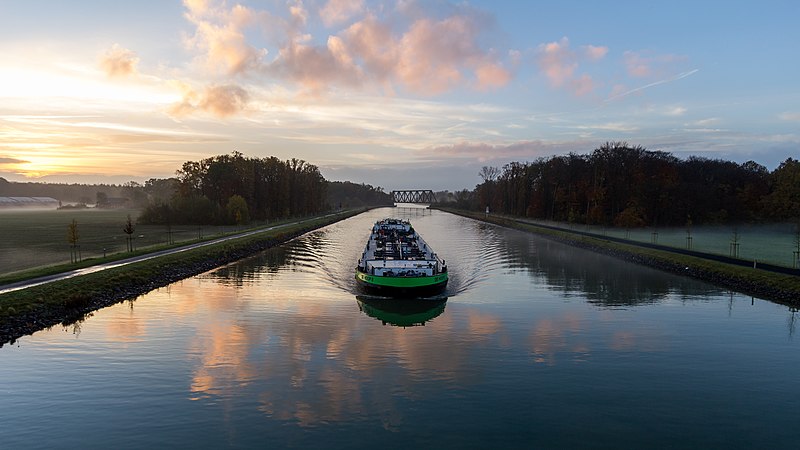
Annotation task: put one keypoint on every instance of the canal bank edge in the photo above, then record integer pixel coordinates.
(778, 288)
(68, 301)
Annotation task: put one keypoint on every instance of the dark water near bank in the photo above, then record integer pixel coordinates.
(537, 345)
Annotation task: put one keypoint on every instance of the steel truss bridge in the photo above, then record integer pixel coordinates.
(414, 196)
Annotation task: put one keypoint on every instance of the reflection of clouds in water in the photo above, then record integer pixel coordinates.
(311, 359)
(283, 327)
(310, 362)
(553, 336)
(571, 337)
(126, 328)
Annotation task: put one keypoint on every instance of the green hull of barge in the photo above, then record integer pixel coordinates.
(402, 284)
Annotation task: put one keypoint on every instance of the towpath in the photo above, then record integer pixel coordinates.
(123, 262)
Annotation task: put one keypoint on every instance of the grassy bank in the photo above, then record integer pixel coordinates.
(780, 288)
(40, 271)
(40, 237)
(28, 310)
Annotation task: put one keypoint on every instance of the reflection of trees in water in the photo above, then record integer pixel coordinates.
(249, 269)
(322, 252)
(600, 278)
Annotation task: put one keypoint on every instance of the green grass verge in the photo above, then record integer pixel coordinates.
(778, 287)
(82, 292)
(38, 238)
(36, 272)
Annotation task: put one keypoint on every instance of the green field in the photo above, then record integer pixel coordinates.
(35, 238)
(769, 243)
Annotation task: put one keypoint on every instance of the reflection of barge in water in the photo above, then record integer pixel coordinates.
(402, 312)
(398, 262)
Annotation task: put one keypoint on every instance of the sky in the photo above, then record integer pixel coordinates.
(399, 94)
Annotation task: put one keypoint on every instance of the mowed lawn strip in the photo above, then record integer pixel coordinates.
(46, 240)
(32, 239)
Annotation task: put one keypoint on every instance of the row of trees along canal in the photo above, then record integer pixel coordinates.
(629, 186)
(233, 189)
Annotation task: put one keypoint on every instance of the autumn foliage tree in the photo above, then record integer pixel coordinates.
(270, 189)
(628, 185)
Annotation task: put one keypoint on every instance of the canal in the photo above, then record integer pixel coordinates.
(538, 344)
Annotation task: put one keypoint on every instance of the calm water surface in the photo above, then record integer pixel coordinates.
(537, 345)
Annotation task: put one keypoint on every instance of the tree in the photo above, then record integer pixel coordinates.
(783, 202)
(128, 229)
(72, 237)
(489, 173)
(102, 198)
(237, 210)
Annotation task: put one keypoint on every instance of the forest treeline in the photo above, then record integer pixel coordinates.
(234, 189)
(626, 185)
(73, 193)
(224, 189)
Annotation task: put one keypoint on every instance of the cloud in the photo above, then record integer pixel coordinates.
(485, 152)
(582, 85)
(559, 63)
(6, 160)
(119, 62)
(219, 34)
(430, 57)
(706, 122)
(491, 76)
(219, 100)
(644, 64)
(421, 55)
(790, 116)
(337, 11)
(610, 126)
(595, 53)
(675, 111)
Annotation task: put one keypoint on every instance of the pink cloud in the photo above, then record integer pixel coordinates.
(119, 62)
(429, 58)
(430, 54)
(220, 36)
(559, 63)
(219, 100)
(315, 68)
(373, 44)
(636, 65)
(582, 85)
(422, 55)
(595, 53)
(298, 13)
(645, 64)
(338, 11)
(491, 76)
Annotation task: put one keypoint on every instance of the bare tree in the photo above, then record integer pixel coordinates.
(489, 173)
(72, 237)
(128, 229)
